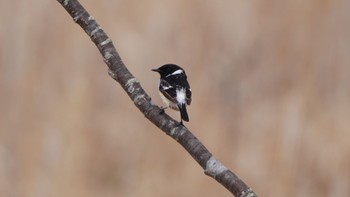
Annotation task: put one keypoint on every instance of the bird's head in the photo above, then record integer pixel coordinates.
(169, 69)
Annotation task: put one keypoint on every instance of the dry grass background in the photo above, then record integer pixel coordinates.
(271, 98)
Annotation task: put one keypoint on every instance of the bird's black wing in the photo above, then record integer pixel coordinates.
(168, 90)
(180, 82)
(188, 96)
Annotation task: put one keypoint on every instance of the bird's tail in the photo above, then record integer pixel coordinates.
(183, 112)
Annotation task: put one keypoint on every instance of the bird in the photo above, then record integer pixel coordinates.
(174, 89)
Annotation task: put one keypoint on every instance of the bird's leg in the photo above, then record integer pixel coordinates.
(181, 123)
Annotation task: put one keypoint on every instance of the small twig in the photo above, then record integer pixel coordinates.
(118, 71)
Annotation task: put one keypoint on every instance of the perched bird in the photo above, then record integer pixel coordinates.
(174, 88)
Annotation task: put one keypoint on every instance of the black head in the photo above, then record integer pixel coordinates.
(167, 69)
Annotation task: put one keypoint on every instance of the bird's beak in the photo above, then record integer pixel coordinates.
(155, 70)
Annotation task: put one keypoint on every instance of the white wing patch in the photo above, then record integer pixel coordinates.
(181, 96)
(166, 87)
(176, 72)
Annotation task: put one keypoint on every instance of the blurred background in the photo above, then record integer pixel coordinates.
(271, 98)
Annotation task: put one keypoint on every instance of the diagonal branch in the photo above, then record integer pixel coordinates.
(118, 71)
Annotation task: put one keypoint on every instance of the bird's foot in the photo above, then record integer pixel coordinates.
(180, 123)
(162, 109)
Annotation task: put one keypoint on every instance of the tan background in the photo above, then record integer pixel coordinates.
(271, 98)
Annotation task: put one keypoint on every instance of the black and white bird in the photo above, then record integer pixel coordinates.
(174, 88)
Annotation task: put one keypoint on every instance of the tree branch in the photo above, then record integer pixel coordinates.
(118, 71)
